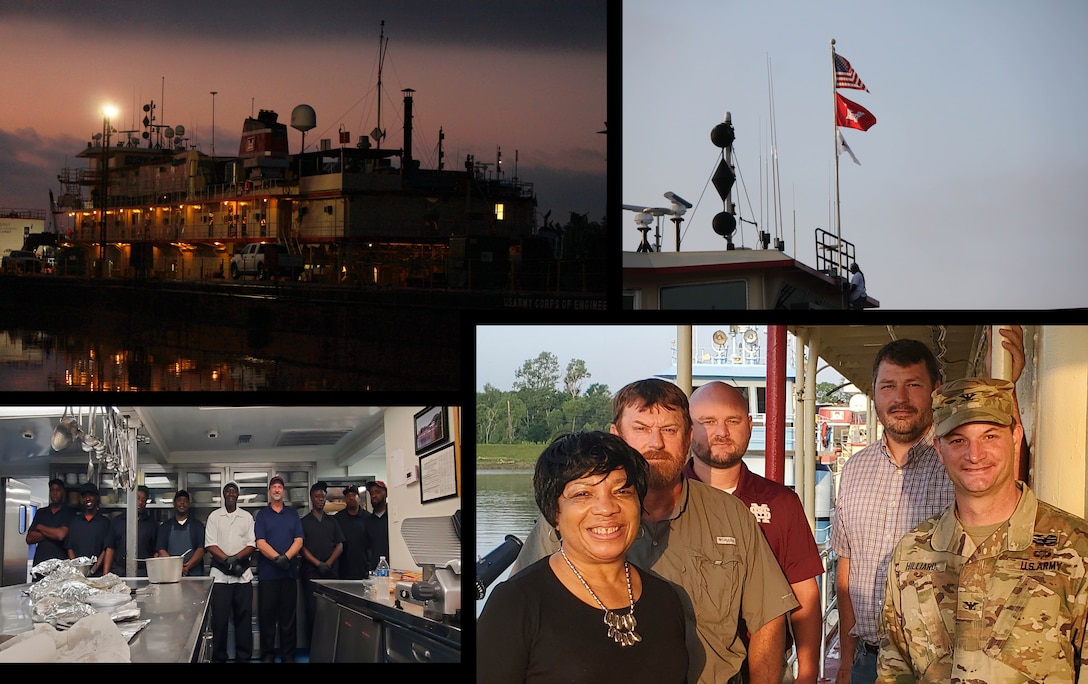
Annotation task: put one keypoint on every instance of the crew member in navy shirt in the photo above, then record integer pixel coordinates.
(49, 530)
(91, 533)
(378, 522)
(278, 531)
(355, 560)
(183, 535)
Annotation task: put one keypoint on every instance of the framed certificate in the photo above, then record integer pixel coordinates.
(438, 475)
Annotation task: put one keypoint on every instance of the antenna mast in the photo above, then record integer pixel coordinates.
(378, 133)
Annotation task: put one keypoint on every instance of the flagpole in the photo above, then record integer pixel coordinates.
(835, 142)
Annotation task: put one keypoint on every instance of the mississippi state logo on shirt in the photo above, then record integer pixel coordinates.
(761, 511)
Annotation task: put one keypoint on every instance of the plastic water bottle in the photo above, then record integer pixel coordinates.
(382, 572)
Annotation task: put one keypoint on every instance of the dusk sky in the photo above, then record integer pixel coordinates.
(526, 77)
(970, 189)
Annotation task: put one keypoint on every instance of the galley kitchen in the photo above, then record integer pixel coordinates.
(230, 534)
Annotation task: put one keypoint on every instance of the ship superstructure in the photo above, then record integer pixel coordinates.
(354, 212)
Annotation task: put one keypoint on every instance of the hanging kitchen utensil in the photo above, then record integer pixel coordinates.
(62, 434)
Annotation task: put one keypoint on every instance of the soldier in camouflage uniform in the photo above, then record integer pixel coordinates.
(993, 589)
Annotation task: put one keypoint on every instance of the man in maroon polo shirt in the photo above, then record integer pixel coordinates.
(722, 429)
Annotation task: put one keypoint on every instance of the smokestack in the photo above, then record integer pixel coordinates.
(407, 156)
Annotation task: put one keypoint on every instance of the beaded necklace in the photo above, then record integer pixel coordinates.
(620, 627)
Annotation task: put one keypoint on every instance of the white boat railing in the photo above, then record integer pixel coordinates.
(829, 605)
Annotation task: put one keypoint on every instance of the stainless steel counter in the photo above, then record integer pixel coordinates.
(178, 614)
(406, 633)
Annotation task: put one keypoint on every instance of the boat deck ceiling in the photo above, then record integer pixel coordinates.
(850, 349)
(339, 436)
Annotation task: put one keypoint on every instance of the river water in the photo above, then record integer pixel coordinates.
(504, 505)
(60, 334)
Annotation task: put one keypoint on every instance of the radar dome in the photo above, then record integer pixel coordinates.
(303, 118)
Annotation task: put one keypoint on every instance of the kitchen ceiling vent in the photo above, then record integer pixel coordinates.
(244, 439)
(304, 438)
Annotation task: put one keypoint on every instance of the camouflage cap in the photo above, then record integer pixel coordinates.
(973, 400)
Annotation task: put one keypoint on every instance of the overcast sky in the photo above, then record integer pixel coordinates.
(614, 354)
(969, 192)
(528, 77)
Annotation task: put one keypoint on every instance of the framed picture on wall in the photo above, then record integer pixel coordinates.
(432, 429)
(438, 475)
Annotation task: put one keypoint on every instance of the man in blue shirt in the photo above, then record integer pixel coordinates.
(278, 531)
(50, 527)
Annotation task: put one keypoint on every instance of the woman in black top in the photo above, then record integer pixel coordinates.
(584, 614)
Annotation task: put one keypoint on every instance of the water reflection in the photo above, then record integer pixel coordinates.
(37, 360)
(86, 334)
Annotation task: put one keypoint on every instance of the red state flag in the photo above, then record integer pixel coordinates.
(852, 115)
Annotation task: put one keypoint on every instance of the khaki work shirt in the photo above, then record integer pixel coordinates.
(712, 551)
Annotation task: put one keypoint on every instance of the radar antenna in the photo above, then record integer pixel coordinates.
(644, 216)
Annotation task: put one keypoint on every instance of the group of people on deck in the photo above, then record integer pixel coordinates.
(660, 557)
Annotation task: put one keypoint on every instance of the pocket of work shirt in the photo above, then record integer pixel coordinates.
(926, 629)
(715, 595)
(1028, 615)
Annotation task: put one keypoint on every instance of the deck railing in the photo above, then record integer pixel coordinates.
(829, 605)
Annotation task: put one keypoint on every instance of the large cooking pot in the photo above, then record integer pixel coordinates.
(164, 569)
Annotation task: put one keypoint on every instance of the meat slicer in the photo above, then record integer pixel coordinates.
(435, 545)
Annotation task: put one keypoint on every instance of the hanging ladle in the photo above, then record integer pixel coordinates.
(65, 431)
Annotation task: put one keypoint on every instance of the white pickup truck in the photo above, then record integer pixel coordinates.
(22, 261)
(265, 259)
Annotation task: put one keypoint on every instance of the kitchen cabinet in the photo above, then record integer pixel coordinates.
(359, 638)
(253, 484)
(354, 624)
(205, 487)
(404, 645)
(203, 482)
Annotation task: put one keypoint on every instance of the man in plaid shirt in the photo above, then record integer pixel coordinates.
(886, 489)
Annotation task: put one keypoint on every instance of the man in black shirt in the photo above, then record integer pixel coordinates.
(353, 521)
(321, 546)
(91, 533)
(182, 535)
(146, 532)
(49, 530)
(378, 523)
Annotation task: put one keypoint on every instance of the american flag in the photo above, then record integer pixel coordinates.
(845, 76)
